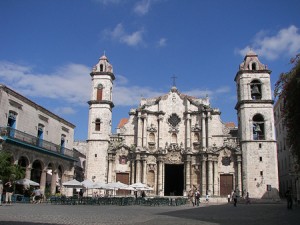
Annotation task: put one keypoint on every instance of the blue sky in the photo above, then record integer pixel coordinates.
(48, 48)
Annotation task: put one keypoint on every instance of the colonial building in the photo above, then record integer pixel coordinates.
(38, 140)
(177, 142)
(288, 169)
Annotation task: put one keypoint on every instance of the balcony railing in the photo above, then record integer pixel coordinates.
(34, 141)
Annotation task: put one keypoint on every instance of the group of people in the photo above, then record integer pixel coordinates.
(9, 192)
(194, 197)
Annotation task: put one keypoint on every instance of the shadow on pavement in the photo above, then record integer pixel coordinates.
(252, 214)
(24, 223)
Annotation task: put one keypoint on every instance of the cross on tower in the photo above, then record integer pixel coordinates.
(174, 80)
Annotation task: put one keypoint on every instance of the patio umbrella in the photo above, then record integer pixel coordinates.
(72, 184)
(117, 185)
(141, 187)
(87, 183)
(99, 185)
(27, 182)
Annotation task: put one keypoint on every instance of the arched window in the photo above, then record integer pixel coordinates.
(40, 135)
(152, 137)
(62, 143)
(255, 87)
(196, 137)
(174, 138)
(258, 127)
(99, 92)
(11, 122)
(253, 65)
(101, 67)
(97, 124)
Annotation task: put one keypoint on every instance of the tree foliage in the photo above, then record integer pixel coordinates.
(9, 171)
(288, 88)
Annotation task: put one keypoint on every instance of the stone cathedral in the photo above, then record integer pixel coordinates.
(175, 142)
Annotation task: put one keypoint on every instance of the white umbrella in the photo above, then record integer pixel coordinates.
(72, 184)
(141, 187)
(87, 183)
(99, 185)
(27, 182)
(117, 185)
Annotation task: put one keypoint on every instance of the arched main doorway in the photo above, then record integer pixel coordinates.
(174, 179)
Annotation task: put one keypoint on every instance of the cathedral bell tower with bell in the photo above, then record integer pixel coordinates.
(256, 129)
(100, 117)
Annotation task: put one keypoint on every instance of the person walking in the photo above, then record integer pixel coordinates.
(289, 198)
(197, 197)
(9, 192)
(1, 191)
(191, 197)
(247, 198)
(228, 198)
(234, 197)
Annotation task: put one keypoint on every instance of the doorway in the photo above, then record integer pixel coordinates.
(174, 179)
(226, 184)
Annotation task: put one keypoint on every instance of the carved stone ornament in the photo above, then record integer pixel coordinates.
(174, 147)
(226, 161)
(152, 128)
(123, 159)
(151, 167)
(173, 158)
(174, 120)
(196, 128)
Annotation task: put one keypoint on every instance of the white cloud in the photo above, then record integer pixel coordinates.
(119, 34)
(286, 42)
(64, 111)
(107, 2)
(162, 42)
(142, 7)
(69, 82)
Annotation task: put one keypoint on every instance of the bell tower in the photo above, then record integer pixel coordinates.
(99, 123)
(256, 129)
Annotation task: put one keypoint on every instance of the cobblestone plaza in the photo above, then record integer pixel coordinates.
(206, 214)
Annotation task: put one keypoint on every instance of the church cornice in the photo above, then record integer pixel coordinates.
(251, 71)
(104, 74)
(91, 102)
(253, 102)
(157, 113)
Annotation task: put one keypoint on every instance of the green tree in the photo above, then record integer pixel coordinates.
(9, 171)
(288, 88)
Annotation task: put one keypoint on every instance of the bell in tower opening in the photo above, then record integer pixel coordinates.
(255, 91)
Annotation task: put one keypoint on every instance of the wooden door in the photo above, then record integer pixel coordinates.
(124, 178)
(226, 184)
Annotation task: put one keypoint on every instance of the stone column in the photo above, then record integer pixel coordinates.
(239, 173)
(203, 175)
(139, 130)
(216, 178)
(53, 182)
(160, 131)
(188, 131)
(209, 130)
(210, 174)
(188, 173)
(145, 124)
(138, 169)
(28, 172)
(144, 180)
(160, 177)
(132, 171)
(43, 180)
(203, 131)
(110, 164)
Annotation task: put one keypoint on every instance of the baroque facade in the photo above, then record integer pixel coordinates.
(176, 142)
